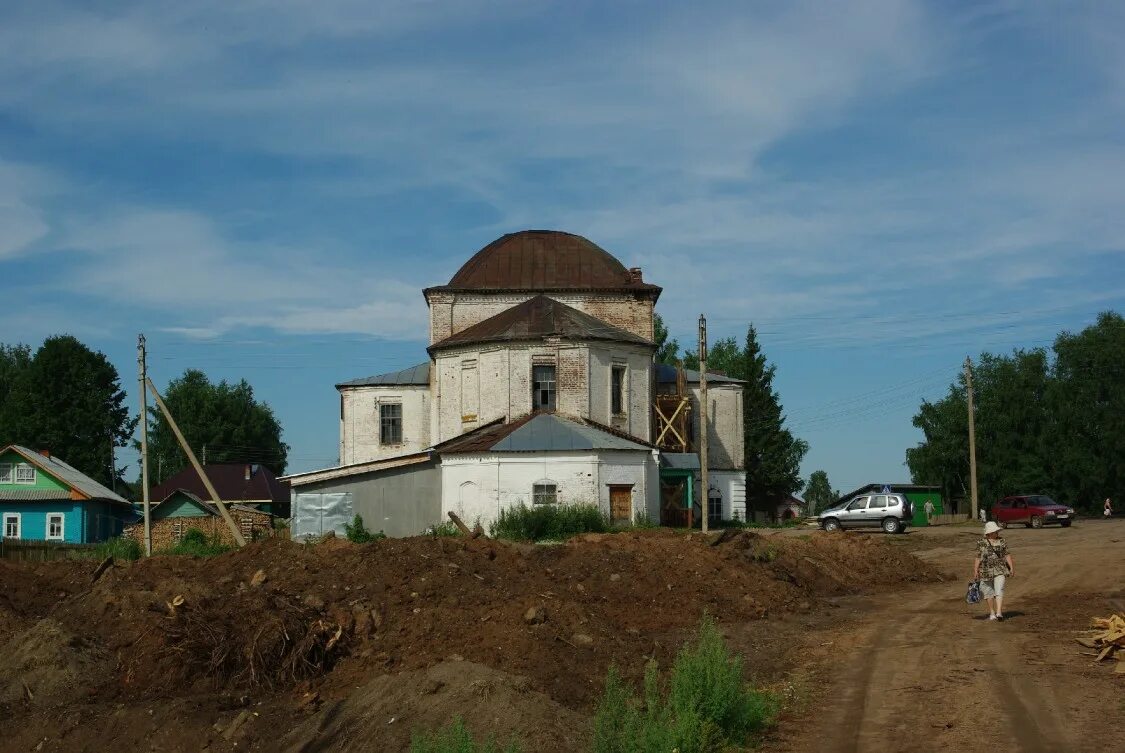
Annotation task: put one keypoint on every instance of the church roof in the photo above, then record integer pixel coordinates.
(537, 318)
(547, 260)
(415, 375)
(542, 432)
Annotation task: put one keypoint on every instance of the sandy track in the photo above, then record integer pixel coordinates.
(923, 671)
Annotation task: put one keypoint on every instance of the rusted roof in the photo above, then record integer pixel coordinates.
(542, 432)
(545, 260)
(537, 318)
(229, 480)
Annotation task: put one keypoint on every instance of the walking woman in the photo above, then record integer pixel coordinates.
(992, 567)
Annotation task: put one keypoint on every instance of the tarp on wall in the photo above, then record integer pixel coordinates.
(317, 513)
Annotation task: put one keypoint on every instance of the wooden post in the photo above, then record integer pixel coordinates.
(195, 464)
(142, 364)
(704, 492)
(972, 436)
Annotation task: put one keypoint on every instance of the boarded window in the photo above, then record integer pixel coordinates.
(470, 391)
(617, 390)
(544, 494)
(543, 387)
(390, 423)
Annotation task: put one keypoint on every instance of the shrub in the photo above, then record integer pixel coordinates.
(196, 543)
(548, 522)
(443, 529)
(642, 520)
(358, 533)
(454, 738)
(119, 547)
(706, 707)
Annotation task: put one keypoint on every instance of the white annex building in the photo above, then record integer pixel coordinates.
(540, 387)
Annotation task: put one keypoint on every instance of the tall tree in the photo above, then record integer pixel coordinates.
(773, 454)
(68, 399)
(667, 350)
(1042, 428)
(818, 492)
(14, 360)
(224, 418)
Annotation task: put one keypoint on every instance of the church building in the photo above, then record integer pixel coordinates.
(540, 387)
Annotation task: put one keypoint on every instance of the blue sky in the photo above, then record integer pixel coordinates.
(883, 187)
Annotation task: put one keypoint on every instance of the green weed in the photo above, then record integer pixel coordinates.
(357, 532)
(196, 543)
(455, 738)
(705, 707)
(119, 547)
(548, 522)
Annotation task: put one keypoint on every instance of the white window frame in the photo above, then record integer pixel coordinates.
(62, 527)
(7, 473)
(19, 525)
(544, 483)
(25, 466)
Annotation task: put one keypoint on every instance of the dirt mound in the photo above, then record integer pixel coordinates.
(48, 665)
(384, 713)
(277, 613)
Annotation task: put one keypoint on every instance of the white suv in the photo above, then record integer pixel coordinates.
(891, 512)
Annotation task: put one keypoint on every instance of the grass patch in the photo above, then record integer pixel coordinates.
(703, 707)
(455, 738)
(548, 522)
(119, 547)
(357, 532)
(196, 543)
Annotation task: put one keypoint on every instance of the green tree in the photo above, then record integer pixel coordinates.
(1049, 428)
(773, 454)
(67, 399)
(14, 360)
(225, 418)
(818, 492)
(667, 350)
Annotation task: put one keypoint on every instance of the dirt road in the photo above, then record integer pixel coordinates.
(923, 671)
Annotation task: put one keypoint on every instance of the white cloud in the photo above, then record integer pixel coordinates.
(22, 223)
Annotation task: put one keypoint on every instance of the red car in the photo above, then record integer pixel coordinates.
(1032, 510)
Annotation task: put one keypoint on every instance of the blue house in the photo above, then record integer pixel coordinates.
(44, 499)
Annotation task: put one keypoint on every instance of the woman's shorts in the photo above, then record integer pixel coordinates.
(990, 588)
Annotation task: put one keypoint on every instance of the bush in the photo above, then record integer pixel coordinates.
(357, 532)
(548, 522)
(119, 547)
(196, 543)
(454, 738)
(705, 708)
(641, 520)
(443, 529)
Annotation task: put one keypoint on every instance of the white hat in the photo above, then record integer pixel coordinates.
(991, 527)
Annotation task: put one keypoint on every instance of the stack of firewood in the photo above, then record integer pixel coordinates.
(1108, 640)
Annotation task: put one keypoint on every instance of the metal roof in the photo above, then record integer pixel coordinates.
(545, 260)
(33, 495)
(666, 374)
(543, 432)
(537, 318)
(419, 374)
(687, 461)
(229, 480)
(69, 475)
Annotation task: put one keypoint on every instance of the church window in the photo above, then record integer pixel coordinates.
(390, 423)
(617, 390)
(543, 387)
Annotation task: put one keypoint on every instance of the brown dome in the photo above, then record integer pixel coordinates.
(545, 260)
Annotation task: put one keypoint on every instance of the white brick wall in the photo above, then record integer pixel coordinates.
(477, 486)
(359, 422)
(451, 313)
(724, 416)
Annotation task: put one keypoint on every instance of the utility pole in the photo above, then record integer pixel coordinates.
(705, 489)
(142, 368)
(972, 435)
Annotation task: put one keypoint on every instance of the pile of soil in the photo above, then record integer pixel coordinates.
(284, 620)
